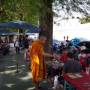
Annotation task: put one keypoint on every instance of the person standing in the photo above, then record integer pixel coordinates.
(16, 44)
(37, 55)
(26, 42)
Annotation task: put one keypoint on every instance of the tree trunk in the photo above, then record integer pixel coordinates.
(1, 6)
(46, 22)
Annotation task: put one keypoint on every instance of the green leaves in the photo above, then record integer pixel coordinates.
(31, 9)
(85, 20)
(20, 10)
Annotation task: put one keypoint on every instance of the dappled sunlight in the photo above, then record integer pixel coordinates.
(14, 66)
(22, 65)
(25, 78)
(31, 88)
(11, 79)
(11, 66)
(9, 72)
(10, 85)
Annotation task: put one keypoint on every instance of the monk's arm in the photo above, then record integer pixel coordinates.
(47, 54)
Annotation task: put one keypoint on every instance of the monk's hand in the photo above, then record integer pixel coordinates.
(56, 57)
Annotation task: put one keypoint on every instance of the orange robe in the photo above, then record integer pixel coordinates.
(37, 62)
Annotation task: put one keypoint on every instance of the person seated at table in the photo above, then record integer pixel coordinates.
(54, 74)
(88, 61)
(53, 70)
(64, 56)
(83, 60)
(72, 66)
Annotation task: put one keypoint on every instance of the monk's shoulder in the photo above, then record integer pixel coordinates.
(36, 44)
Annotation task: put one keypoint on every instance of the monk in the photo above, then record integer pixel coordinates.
(37, 55)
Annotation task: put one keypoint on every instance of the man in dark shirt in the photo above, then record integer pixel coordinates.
(26, 42)
(72, 66)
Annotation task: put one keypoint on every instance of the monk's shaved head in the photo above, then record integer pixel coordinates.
(43, 39)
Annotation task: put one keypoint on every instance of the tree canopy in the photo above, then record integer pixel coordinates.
(18, 10)
(29, 10)
(85, 20)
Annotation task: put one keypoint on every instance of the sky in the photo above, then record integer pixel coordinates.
(71, 28)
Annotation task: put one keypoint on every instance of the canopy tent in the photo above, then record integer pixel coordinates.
(6, 32)
(16, 24)
(20, 25)
(33, 30)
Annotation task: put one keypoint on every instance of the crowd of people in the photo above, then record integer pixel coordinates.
(78, 53)
(4, 47)
(73, 58)
(19, 43)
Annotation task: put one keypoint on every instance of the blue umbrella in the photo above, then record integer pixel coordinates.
(75, 41)
(17, 24)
